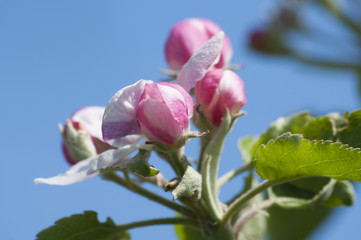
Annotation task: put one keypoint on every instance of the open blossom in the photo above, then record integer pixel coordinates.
(159, 111)
(217, 91)
(82, 134)
(188, 36)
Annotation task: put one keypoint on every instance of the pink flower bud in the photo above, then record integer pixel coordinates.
(163, 112)
(188, 36)
(218, 90)
(82, 135)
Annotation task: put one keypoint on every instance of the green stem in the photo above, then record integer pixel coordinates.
(210, 162)
(214, 149)
(324, 63)
(204, 143)
(208, 202)
(134, 187)
(178, 161)
(161, 221)
(233, 173)
(244, 198)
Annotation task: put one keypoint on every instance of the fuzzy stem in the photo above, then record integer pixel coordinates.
(204, 143)
(178, 161)
(233, 173)
(208, 202)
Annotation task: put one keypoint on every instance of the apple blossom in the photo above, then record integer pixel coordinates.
(188, 36)
(158, 111)
(163, 112)
(121, 127)
(217, 91)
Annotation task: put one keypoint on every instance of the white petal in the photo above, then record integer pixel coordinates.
(201, 61)
(89, 168)
(91, 118)
(119, 118)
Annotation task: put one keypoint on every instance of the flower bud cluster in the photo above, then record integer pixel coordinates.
(157, 112)
(219, 89)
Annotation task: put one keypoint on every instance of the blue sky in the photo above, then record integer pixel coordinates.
(57, 56)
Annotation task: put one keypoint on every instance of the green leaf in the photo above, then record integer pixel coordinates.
(343, 194)
(190, 186)
(290, 156)
(245, 146)
(351, 134)
(320, 128)
(295, 224)
(187, 233)
(293, 124)
(83, 226)
(139, 164)
(300, 193)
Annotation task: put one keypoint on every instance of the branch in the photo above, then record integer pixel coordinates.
(134, 187)
(244, 198)
(233, 173)
(161, 221)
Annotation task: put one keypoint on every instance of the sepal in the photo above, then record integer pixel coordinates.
(138, 164)
(190, 185)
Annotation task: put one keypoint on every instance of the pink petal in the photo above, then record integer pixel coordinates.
(187, 99)
(120, 125)
(91, 119)
(201, 61)
(158, 122)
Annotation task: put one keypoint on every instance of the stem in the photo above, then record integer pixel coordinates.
(332, 8)
(324, 63)
(244, 198)
(211, 204)
(204, 143)
(161, 221)
(178, 161)
(134, 187)
(233, 173)
(214, 150)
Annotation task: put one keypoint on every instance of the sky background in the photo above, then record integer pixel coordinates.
(57, 56)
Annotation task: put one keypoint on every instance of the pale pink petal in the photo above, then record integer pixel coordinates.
(89, 167)
(232, 87)
(158, 122)
(227, 51)
(91, 119)
(119, 120)
(186, 97)
(201, 61)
